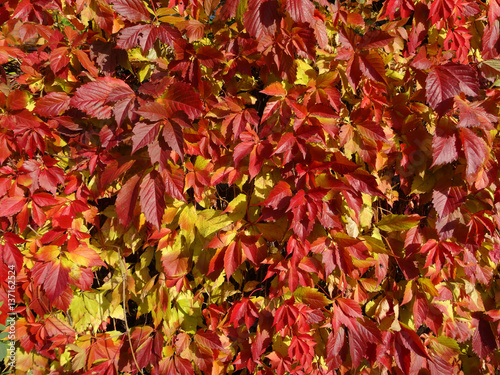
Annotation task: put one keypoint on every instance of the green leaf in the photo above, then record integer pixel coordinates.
(3, 351)
(210, 222)
(398, 222)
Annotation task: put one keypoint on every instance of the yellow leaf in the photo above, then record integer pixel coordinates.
(312, 297)
(428, 286)
(210, 222)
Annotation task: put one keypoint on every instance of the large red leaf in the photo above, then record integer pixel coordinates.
(127, 199)
(174, 183)
(444, 148)
(232, 258)
(261, 17)
(144, 134)
(301, 10)
(182, 97)
(153, 111)
(447, 200)
(364, 182)
(445, 81)
(474, 115)
(152, 199)
(53, 277)
(172, 134)
(475, 149)
(59, 59)
(133, 10)
(145, 35)
(280, 194)
(333, 348)
(483, 340)
(208, 339)
(11, 255)
(11, 206)
(439, 86)
(93, 98)
(52, 104)
(372, 66)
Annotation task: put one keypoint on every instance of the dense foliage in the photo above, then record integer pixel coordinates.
(251, 186)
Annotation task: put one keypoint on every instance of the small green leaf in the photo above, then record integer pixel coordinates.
(398, 222)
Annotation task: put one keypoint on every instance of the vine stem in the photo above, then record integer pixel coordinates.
(124, 288)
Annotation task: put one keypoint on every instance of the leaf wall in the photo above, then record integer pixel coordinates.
(251, 186)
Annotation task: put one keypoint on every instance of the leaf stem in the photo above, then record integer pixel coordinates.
(124, 288)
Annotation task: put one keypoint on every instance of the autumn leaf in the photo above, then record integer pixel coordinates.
(133, 10)
(94, 98)
(475, 149)
(52, 104)
(398, 222)
(52, 276)
(152, 190)
(127, 199)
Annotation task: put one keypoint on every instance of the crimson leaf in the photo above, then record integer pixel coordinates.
(152, 199)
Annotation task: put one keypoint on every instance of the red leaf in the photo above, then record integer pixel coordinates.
(144, 134)
(11, 255)
(44, 199)
(183, 366)
(474, 115)
(275, 89)
(17, 100)
(52, 104)
(85, 256)
(11, 206)
(53, 277)
(445, 81)
(232, 258)
(412, 341)
(152, 199)
(261, 17)
(300, 10)
(49, 178)
(466, 76)
(475, 149)
(444, 148)
(182, 97)
(241, 150)
(172, 133)
(92, 98)
(439, 86)
(375, 39)
(420, 310)
(371, 130)
(483, 340)
(372, 66)
(143, 35)
(174, 183)
(448, 200)
(364, 182)
(59, 59)
(153, 111)
(286, 142)
(127, 199)
(350, 307)
(333, 348)
(208, 339)
(84, 59)
(278, 195)
(133, 10)
(209, 56)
